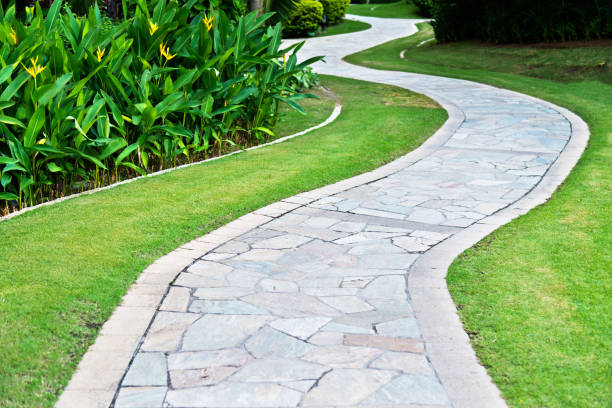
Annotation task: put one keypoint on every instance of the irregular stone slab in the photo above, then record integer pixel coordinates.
(202, 359)
(376, 247)
(395, 261)
(191, 280)
(214, 332)
(243, 278)
(233, 247)
(347, 328)
(140, 397)
(386, 287)
(234, 395)
(259, 255)
(234, 307)
(302, 328)
(278, 371)
(167, 330)
(345, 387)
(268, 342)
(147, 369)
(411, 389)
(303, 385)
(176, 300)
(327, 338)
(282, 242)
(346, 226)
(410, 244)
(342, 356)
(291, 304)
(200, 377)
(406, 327)
(347, 304)
(209, 269)
(368, 319)
(355, 282)
(320, 222)
(409, 363)
(225, 293)
(274, 285)
(384, 342)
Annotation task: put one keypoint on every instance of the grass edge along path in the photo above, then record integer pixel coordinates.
(534, 295)
(66, 266)
(398, 9)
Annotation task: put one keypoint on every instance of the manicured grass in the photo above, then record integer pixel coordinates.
(399, 9)
(66, 266)
(292, 121)
(346, 26)
(535, 295)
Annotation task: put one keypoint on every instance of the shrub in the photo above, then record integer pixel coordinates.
(304, 19)
(425, 7)
(335, 10)
(87, 101)
(522, 20)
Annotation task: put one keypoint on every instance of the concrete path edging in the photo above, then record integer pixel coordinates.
(467, 384)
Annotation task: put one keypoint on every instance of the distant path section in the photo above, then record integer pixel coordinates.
(337, 297)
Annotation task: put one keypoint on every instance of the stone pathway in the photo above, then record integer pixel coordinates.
(312, 306)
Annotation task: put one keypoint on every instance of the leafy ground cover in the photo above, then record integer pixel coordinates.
(346, 26)
(400, 9)
(535, 295)
(66, 266)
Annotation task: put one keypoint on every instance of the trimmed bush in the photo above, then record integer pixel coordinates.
(522, 21)
(305, 19)
(335, 10)
(425, 7)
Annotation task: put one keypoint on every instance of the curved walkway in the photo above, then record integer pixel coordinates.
(337, 297)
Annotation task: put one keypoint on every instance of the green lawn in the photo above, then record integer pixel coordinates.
(535, 295)
(399, 9)
(66, 266)
(346, 26)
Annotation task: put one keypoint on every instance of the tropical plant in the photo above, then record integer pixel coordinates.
(86, 102)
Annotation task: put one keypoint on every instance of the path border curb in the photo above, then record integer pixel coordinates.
(448, 345)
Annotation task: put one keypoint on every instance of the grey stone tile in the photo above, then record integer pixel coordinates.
(213, 332)
(140, 397)
(269, 342)
(410, 389)
(235, 395)
(147, 369)
(279, 370)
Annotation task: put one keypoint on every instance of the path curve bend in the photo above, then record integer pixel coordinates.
(337, 297)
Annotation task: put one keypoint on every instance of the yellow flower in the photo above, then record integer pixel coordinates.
(100, 54)
(164, 51)
(152, 27)
(284, 59)
(35, 69)
(13, 35)
(208, 22)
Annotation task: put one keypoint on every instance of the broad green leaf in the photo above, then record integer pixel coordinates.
(11, 121)
(55, 89)
(34, 125)
(8, 196)
(112, 147)
(14, 86)
(52, 15)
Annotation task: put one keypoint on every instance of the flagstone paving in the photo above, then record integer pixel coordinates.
(312, 307)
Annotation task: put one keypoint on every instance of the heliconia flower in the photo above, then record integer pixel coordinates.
(35, 69)
(152, 27)
(100, 54)
(284, 59)
(13, 35)
(164, 51)
(208, 22)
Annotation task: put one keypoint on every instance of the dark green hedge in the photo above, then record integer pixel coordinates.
(512, 21)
